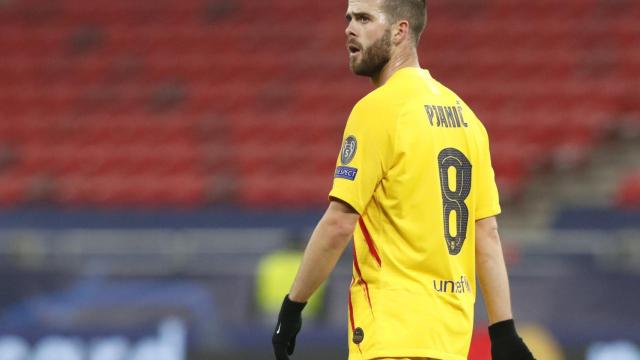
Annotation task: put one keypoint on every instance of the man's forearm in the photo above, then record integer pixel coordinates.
(492, 272)
(325, 247)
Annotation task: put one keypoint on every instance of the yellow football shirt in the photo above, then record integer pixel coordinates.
(415, 164)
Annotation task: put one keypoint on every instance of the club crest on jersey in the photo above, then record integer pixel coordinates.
(348, 150)
(358, 335)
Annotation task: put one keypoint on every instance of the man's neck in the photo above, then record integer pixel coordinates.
(400, 60)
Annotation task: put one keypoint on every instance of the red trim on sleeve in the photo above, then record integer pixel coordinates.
(369, 240)
(360, 278)
(351, 321)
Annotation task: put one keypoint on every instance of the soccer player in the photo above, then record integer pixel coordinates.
(415, 188)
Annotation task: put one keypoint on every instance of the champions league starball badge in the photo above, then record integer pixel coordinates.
(348, 150)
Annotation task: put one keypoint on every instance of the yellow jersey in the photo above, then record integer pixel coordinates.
(415, 164)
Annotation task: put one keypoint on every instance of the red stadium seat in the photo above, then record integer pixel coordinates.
(628, 194)
(13, 189)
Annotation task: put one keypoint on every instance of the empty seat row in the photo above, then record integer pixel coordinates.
(187, 103)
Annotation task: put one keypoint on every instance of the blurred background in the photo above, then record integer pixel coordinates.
(163, 162)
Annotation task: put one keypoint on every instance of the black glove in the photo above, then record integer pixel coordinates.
(506, 344)
(289, 324)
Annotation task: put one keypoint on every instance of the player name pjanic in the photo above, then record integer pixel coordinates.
(445, 116)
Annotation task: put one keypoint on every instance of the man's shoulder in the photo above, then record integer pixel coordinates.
(445, 91)
(382, 100)
(450, 96)
(375, 111)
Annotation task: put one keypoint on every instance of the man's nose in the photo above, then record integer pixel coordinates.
(349, 30)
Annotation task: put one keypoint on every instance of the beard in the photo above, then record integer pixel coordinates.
(374, 58)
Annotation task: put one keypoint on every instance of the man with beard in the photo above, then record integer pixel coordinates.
(415, 187)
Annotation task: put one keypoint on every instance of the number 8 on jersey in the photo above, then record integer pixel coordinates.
(453, 200)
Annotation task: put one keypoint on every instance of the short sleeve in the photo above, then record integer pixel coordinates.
(488, 200)
(364, 156)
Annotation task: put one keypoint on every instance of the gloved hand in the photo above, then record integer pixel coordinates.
(506, 344)
(289, 324)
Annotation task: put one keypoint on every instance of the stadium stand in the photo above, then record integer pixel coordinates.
(193, 103)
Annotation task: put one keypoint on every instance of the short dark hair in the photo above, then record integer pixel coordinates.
(414, 11)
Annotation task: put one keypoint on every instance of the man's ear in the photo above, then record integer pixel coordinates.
(400, 32)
